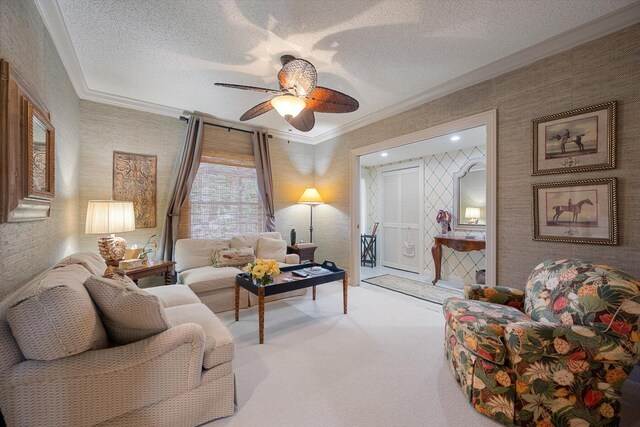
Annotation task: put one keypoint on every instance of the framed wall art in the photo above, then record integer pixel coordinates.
(582, 211)
(583, 139)
(134, 180)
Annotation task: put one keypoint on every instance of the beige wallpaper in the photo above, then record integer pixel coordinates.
(598, 71)
(105, 129)
(30, 247)
(292, 171)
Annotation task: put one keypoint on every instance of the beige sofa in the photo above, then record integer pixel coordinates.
(181, 376)
(215, 286)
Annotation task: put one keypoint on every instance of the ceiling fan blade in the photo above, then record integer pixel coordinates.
(324, 100)
(254, 88)
(298, 77)
(259, 109)
(304, 121)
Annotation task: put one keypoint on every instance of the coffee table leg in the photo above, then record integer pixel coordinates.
(314, 293)
(237, 302)
(261, 313)
(345, 286)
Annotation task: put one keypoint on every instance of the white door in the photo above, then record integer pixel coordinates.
(401, 200)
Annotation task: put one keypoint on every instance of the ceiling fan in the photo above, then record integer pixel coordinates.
(298, 96)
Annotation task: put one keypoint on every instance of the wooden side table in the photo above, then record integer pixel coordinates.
(460, 244)
(305, 252)
(152, 269)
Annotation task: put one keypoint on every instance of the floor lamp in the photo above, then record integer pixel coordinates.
(311, 197)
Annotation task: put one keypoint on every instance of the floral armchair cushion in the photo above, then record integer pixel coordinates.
(480, 326)
(582, 293)
(497, 294)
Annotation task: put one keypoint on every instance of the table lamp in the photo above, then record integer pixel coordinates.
(311, 197)
(109, 217)
(473, 214)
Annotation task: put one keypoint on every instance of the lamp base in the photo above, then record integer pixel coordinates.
(112, 249)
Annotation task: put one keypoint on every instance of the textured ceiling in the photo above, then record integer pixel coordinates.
(384, 53)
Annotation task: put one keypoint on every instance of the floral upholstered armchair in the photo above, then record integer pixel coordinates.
(554, 355)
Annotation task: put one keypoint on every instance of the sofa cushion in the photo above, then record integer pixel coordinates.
(92, 262)
(57, 317)
(251, 239)
(479, 326)
(219, 345)
(232, 257)
(205, 279)
(172, 295)
(272, 248)
(194, 253)
(129, 313)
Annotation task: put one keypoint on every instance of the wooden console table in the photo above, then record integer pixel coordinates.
(460, 244)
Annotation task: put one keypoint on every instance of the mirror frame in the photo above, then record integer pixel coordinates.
(19, 199)
(30, 112)
(455, 224)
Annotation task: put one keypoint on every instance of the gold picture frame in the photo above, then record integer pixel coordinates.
(583, 211)
(579, 140)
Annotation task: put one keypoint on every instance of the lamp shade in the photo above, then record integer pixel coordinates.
(472, 213)
(288, 105)
(109, 216)
(311, 197)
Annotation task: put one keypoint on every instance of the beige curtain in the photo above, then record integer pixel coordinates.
(265, 180)
(184, 172)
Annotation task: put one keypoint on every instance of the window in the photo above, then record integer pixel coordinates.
(225, 202)
(224, 199)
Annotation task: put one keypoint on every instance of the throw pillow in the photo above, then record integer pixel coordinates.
(129, 314)
(272, 248)
(232, 257)
(56, 317)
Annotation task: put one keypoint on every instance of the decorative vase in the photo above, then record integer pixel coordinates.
(445, 227)
(293, 236)
(266, 280)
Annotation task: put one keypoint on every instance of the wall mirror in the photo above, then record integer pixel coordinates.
(40, 144)
(470, 196)
(27, 150)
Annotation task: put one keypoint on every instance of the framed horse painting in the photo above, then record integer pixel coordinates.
(579, 140)
(584, 211)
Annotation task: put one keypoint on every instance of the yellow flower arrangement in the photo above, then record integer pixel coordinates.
(263, 270)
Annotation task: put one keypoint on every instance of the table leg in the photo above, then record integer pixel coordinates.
(167, 277)
(237, 306)
(345, 287)
(314, 293)
(436, 251)
(261, 313)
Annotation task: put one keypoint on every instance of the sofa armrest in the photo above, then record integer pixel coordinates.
(569, 342)
(291, 259)
(91, 387)
(496, 294)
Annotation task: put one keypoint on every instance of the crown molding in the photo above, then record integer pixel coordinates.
(54, 22)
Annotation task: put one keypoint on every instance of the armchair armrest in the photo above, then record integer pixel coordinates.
(91, 387)
(569, 342)
(496, 294)
(291, 259)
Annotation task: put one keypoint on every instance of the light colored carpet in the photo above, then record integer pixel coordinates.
(380, 365)
(425, 291)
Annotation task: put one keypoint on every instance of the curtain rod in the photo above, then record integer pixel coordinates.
(229, 128)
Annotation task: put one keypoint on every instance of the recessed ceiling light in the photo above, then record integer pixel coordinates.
(384, 154)
(455, 138)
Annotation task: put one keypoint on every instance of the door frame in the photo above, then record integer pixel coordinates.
(419, 241)
(488, 119)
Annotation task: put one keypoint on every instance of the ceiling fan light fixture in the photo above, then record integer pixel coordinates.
(287, 105)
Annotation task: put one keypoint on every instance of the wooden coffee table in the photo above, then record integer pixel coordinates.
(286, 281)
